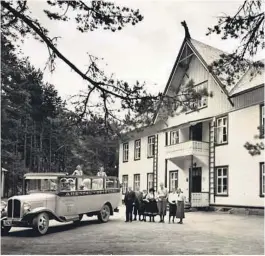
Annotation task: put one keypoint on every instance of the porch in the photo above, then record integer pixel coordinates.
(191, 174)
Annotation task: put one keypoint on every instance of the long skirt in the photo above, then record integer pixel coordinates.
(180, 210)
(151, 208)
(142, 206)
(172, 209)
(162, 206)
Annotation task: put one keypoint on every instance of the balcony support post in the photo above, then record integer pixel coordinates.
(190, 177)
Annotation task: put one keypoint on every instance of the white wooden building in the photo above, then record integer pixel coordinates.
(202, 152)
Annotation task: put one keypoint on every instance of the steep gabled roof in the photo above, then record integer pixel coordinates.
(251, 79)
(205, 53)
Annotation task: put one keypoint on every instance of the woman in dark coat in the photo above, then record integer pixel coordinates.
(180, 206)
(151, 209)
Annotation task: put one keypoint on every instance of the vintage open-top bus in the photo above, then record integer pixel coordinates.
(60, 197)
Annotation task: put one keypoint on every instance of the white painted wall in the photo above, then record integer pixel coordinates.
(243, 180)
(243, 168)
(142, 166)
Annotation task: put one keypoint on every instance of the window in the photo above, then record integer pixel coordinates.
(174, 137)
(136, 182)
(262, 179)
(173, 180)
(151, 146)
(150, 181)
(222, 181)
(137, 150)
(124, 184)
(125, 152)
(221, 130)
(262, 119)
(203, 101)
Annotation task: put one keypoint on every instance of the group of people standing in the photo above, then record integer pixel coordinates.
(151, 204)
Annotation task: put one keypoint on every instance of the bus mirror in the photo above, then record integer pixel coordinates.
(120, 185)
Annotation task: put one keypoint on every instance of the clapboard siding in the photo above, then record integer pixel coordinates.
(247, 99)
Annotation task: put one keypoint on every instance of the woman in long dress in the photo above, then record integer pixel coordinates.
(180, 206)
(142, 206)
(151, 209)
(172, 200)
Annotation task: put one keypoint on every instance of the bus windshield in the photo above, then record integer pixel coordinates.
(41, 185)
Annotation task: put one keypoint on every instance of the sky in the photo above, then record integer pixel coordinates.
(145, 52)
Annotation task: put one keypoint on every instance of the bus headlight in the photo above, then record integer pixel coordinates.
(27, 207)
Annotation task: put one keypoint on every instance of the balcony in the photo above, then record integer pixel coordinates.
(187, 148)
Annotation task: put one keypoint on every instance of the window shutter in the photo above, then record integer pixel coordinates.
(166, 136)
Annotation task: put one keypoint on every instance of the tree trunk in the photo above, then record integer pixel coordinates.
(41, 149)
(50, 150)
(34, 145)
(25, 143)
(31, 149)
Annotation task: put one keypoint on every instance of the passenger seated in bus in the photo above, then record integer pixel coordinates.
(64, 184)
(97, 184)
(72, 184)
(86, 184)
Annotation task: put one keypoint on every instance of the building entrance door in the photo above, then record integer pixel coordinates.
(196, 186)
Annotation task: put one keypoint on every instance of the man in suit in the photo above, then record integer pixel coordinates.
(129, 201)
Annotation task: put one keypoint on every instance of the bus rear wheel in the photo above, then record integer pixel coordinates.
(104, 214)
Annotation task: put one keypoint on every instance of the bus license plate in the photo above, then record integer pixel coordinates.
(7, 222)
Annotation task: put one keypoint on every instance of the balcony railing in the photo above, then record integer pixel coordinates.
(188, 148)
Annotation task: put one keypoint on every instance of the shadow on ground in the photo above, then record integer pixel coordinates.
(55, 229)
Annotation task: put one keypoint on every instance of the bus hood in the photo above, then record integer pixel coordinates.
(35, 197)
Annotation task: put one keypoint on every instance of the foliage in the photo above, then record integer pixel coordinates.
(37, 130)
(118, 100)
(248, 26)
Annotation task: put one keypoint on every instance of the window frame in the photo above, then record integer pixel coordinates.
(123, 152)
(198, 103)
(261, 121)
(148, 144)
(261, 175)
(222, 176)
(122, 190)
(137, 148)
(217, 143)
(134, 185)
(171, 140)
(170, 180)
(147, 180)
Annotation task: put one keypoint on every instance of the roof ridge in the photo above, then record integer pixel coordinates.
(192, 39)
